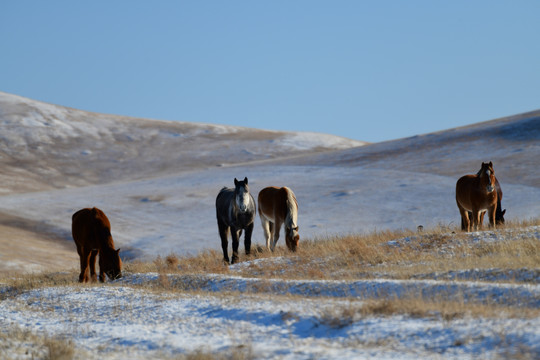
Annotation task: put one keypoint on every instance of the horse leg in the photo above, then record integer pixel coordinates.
(223, 229)
(463, 227)
(465, 222)
(235, 234)
(93, 276)
(481, 221)
(476, 224)
(492, 210)
(267, 229)
(84, 257)
(247, 238)
(276, 226)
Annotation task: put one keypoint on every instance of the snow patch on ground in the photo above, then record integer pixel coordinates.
(119, 320)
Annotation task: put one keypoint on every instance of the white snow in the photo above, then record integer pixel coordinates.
(117, 320)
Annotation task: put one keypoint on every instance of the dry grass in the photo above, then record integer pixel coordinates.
(389, 254)
(418, 307)
(17, 343)
(240, 352)
(16, 285)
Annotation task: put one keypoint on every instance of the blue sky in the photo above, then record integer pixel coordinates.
(367, 70)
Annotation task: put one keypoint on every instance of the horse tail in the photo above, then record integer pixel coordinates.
(292, 208)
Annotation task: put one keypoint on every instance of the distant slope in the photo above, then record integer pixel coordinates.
(512, 143)
(44, 146)
(157, 181)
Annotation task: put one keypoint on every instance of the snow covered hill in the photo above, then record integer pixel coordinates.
(44, 146)
(512, 143)
(157, 181)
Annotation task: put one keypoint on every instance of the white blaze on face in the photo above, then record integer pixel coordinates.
(242, 200)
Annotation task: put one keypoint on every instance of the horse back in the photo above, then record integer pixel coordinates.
(223, 201)
(91, 229)
(273, 203)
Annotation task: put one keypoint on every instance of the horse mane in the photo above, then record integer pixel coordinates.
(292, 209)
(103, 228)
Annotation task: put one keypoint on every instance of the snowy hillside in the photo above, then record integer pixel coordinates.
(44, 146)
(513, 144)
(393, 185)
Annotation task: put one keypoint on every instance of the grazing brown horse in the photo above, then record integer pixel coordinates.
(91, 232)
(279, 206)
(477, 193)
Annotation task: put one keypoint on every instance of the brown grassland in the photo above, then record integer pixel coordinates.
(387, 254)
(384, 255)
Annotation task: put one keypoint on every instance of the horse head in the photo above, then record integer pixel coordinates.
(487, 176)
(292, 237)
(242, 197)
(499, 215)
(110, 263)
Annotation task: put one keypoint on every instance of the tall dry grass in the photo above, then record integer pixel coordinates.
(388, 254)
(383, 254)
(16, 343)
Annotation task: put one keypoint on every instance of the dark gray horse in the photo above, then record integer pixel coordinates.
(235, 210)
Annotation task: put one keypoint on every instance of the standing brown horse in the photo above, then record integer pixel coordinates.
(279, 206)
(477, 193)
(499, 213)
(91, 232)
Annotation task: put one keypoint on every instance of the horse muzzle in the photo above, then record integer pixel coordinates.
(114, 275)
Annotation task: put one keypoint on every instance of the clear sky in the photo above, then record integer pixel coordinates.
(368, 70)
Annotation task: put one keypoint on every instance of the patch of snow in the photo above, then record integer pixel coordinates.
(310, 140)
(118, 321)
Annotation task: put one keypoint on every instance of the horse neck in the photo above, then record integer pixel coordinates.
(106, 240)
(292, 212)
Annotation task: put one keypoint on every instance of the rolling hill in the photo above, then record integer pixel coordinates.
(157, 180)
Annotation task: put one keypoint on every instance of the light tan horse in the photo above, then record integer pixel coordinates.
(477, 193)
(278, 206)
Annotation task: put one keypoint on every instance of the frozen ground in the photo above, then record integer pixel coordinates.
(299, 320)
(157, 182)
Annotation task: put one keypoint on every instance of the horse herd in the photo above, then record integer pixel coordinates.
(235, 212)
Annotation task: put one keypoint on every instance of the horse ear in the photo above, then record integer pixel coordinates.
(503, 212)
(118, 250)
(235, 182)
(490, 164)
(246, 180)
